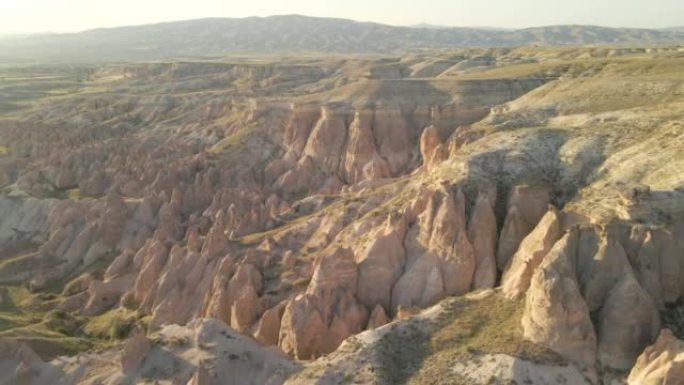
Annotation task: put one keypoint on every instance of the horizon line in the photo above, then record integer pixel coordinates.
(419, 25)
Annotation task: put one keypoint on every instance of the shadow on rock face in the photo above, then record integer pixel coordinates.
(673, 318)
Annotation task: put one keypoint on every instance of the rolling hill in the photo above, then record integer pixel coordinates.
(299, 34)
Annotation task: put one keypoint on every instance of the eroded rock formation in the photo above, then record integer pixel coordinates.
(660, 363)
(482, 232)
(555, 312)
(526, 206)
(440, 259)
(516, 278)
(302, 205)
(622, 338)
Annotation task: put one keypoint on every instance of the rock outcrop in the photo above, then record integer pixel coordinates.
(482, 232)
(526, 206)
(317, 321)
(203, 352)
(380, 266)
(608, 266)
(661, 363)
(440, 259)
(244, 310)
(134, 352)
(22, 220)
(588, 272)
(628, 322)
(232, 289)
(432, 148)
(516, 278)
(302, 329)
(103, 295)
(268, 328)
(556, 315)
(658, 266)
(377, 318)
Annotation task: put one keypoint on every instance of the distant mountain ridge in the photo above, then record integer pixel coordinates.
(301, 34)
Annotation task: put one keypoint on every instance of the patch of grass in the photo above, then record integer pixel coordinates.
(49, 333)
(115, 324)
(10, 321)
(32, 318)
(488, 325)
(302, 282)
(49, 348)
(233, 142)
(62, 322)
(402, 354)
(74, 194)
(18, 295)
(19, 308)
(10, 314)
(470, 327)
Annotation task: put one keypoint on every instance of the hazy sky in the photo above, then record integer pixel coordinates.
(20, 16)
